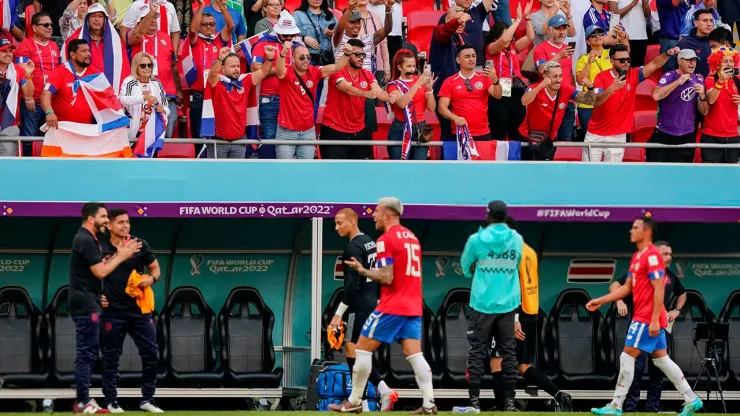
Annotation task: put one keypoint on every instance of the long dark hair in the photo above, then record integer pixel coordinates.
(328, 15)
(494, 34)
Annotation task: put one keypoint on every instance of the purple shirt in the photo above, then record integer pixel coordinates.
(677, 111)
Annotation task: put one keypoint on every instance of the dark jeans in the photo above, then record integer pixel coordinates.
(671, 155)
(720, 155)
(30, 123)
(269, 109)
(196, 113)
(638, 50)
(666, 44)
(395, 133)
(565, 133)
(144, 334)
(482, 328)
(584, 117)
(87, 335)
(655, 388)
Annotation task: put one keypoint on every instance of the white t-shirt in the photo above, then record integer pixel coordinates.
(129, 20)
(397, 11)
(578, 8)
(633, 21)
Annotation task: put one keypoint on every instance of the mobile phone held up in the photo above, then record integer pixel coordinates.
(331, 26)
(572, 45)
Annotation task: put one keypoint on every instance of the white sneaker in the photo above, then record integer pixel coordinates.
(150, 407)
(115, 408)
(388, 400)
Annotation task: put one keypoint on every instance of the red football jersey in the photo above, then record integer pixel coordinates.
(469, 99)
(721, 120)
(646, 266)
(621, 102)
(399, 247)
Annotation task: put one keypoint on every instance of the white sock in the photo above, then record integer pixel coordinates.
(383, 388)
(361, 372)
(624, 381)
(674, 373)
(423, 374)
(365, 406)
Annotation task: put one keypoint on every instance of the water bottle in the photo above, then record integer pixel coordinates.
(48, 405)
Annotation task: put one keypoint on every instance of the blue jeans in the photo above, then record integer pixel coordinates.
(565, 133)
(396, 134)
(30, 123)
(502, 13)
(449, 150)
(269, 109)
(665, 44)
(584, 117)
(87, 334)
(655, 388)
(144, 334)
(287, 151)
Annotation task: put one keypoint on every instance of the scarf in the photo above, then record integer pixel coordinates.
(408, 126)
(466, 149)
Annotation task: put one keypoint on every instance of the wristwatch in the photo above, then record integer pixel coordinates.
(678, 309)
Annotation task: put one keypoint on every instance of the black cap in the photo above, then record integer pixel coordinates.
(497, 210)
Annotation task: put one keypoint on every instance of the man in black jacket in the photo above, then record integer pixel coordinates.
(360, 296)
(672, 286)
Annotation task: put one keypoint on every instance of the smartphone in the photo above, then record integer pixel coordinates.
(572, 45)
(613, 21)
(427, 69)
(622, 73)
(331, 26)
(489, 63)
(735, 71)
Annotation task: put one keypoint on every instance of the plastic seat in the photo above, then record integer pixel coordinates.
(129, 364)
(644, 96)
(177, 151)
(645, 123)
(392, 364)
(384, 125)
(435, 152)
(417, 5)
(22, 351)
(188, 331)
(568, 154)
(634, 155)
(291, 5)
(731, 314)
(62, 339)
(452, 327)
(573, 333)
(652, 52)
(340, 5)
(37, 148)
(684, 352)
(421, 24)
(248, 354)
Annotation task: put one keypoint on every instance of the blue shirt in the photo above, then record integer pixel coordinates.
(240, 28)
(670, 17)
(593, 17)
(688, 19)
(474, 30)
(309, 23)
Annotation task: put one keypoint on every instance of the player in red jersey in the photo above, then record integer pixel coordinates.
(398, 315)
(646, 282)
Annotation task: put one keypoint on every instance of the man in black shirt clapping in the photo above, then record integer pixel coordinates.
(360, 296)
(86, 270)
(124, 316)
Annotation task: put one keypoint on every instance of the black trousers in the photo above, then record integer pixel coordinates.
(483, 329)
(505, 115)
(671, 155)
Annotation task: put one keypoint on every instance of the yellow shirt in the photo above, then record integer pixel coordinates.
(601, 63)
(529, 281)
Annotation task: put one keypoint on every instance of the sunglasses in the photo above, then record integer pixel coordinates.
(596, 35)
(46, 25)
(360, 55)
(303, 57)
(274, 5)
(623, 60)
(211, 24)
(146, 66)
(468, 86)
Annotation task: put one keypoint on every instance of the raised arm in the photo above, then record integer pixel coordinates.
(336, 39)
(658, 62)
(195, 23)
(387, 25)
(136, 35)
(227, 30)
(339, 65)
(266, 69)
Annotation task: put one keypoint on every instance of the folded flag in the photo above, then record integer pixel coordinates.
(151, 138)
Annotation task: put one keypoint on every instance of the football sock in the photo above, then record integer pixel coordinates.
(423, 374)
(674, 373)
(363, 366)
(624, 381)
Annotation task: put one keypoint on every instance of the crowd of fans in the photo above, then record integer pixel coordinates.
(94, 76)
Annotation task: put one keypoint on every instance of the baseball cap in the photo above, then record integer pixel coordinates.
(593, 28)
(355, 16)
(497, 210)
(557, 21)
(687, 54)
(286, 25)
(5, 44)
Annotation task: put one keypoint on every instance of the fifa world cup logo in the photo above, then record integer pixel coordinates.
(441, 263)
(195, 262)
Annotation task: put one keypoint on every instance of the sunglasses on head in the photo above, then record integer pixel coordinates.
(146, 66)
(623, 60)
(46, 25)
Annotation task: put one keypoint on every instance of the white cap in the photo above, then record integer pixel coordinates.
(96, 8)
(286, 24)
(142, 11)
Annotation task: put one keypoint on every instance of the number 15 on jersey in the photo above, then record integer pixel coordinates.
(413, 261)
